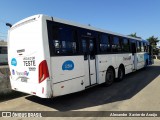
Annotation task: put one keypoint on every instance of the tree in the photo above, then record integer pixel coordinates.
(153, 42)
(134, 35)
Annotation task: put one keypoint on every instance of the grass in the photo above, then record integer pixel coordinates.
(10, 95)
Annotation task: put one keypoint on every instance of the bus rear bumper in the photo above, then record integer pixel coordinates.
(30, 88)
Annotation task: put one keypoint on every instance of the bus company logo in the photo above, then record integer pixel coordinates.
(13, 72)
(25, 73)
(14, 62)
(127, 58)
(68, 65)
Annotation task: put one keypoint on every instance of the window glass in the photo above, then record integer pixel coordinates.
(116, 47)
(125, 45)
(138, 46)
(133, 45)
(84, 46)
(91, 46)
(64, 39)
(142, 47)
(104, 43)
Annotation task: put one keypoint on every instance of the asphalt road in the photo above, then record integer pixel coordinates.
(139, 91)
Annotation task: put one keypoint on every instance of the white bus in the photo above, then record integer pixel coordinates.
(50, 57)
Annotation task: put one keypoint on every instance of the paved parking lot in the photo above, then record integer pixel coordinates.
(139, 91)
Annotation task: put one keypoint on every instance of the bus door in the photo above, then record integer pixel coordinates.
(88, 49)
(134, 56)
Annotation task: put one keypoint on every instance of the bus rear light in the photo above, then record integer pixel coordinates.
(43, 71)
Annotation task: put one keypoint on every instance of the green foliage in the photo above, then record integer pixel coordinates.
(153, 42)
(134, 35)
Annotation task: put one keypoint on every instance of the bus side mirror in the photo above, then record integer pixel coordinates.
(9, 25)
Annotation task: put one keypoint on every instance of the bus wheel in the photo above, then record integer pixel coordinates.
(121, 73)
(109, 77)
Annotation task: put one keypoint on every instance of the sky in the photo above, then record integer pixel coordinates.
(121, 16)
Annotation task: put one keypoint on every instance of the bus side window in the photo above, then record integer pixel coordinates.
(133, 46)
(74, 48)
(138, 46)
(64, 39)
(91, 46)
(142, 47)
(56, 45)
(105, 43)
(84, 46)
(116, 46)
(125, 45)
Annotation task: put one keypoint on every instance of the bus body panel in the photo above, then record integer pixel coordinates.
(93, 78)
(69, 86)
(130, 62)
(86, 77)
(65, 72)
(30, 88)
(114, 60)
(25, 53)
(140, 60)
(67, 67)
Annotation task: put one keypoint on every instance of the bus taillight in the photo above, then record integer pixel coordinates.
(43, 71)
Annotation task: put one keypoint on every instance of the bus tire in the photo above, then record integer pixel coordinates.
(109, 79)
(121, 73)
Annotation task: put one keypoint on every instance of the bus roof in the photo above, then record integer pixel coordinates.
(91, 28)
(34, 17)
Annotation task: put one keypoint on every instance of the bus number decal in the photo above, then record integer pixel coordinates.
(29, 61)
(68, 65)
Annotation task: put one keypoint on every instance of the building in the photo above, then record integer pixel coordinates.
(3, 42)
